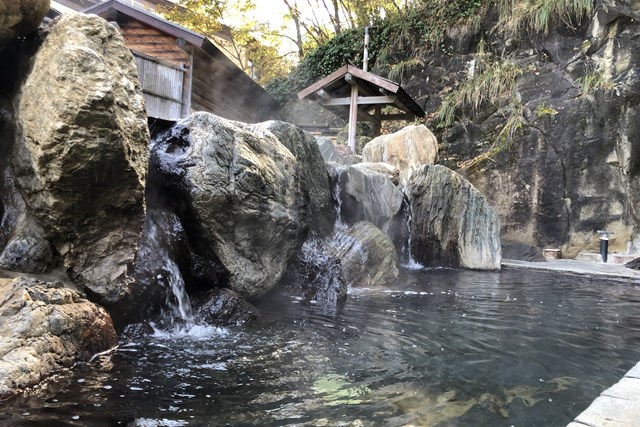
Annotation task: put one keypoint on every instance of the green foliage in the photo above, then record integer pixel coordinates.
(545, 110)
(401, 68)
(494, 82)
(594, 78)
(522, 16)
(392, 40)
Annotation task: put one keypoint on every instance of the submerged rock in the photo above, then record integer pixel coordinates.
(367, 255)
(316, 276)
(45, 328)
(81, 161)
(237, 190)
(406, 149)
(452, 223)
(224, 307)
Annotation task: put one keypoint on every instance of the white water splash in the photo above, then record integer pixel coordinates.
(408, 261)
(182, 307)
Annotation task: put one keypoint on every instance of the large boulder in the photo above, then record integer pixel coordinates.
(407, 149)
(20, 17)
(45, 328)
(237, 190)
(81, 155)
(367, 255)
(367, 195)
(312, 174)
(452, 224)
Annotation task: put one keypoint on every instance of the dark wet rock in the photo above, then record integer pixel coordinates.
(633, 264)
(315, 276)
(367, 255)
(136, 331)
(20, 17)
(237, 190)
(223, 307)
(452, 224)
(44, 329)
(81, 163)
(27, 253)
(522, 252)
(312, 176)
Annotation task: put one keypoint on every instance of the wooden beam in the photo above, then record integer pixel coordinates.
(362, 100)
(353, 118)
(322, 83)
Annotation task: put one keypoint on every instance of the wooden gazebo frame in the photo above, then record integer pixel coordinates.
(353, 94)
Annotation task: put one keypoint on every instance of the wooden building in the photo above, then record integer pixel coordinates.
(182, 71)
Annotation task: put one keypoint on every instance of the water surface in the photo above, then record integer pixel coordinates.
(439, 348)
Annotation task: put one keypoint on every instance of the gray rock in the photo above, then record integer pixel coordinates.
(452, 224)
(312, 175)
(20, 17)
(386, 169)
(81, 162)
(522, 252)
(367, 255)
(315, 276)
(331, 154)
(27, 253)
(237, 189)
(224, 307)
(367, 195)
(406, 149)
(45, 328)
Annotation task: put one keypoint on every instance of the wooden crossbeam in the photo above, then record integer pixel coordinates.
(362, 100)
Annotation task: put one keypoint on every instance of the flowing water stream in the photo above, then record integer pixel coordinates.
(438, 348)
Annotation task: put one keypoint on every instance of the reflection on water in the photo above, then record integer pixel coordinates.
(440, 348)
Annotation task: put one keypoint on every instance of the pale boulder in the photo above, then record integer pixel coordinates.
(81, 156)
(452, 223)
(407, 149)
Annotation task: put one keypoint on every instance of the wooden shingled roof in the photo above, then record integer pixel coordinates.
(333, 93)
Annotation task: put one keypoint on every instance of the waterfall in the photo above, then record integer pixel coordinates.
(337, 197)
(181, 313)
(177, 313)
(407, 257)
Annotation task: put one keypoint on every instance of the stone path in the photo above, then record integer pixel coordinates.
(618, 406)
(595, 270)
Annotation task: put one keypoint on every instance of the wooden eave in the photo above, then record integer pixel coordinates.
(105, 9)
(194, 39)
(333, 91)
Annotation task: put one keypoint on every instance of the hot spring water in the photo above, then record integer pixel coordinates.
(439, 348)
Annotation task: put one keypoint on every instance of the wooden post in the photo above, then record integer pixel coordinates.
(377, 123)
(353, 113)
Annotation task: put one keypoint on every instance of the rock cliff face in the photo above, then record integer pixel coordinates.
(570, 163)
(452, 224)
